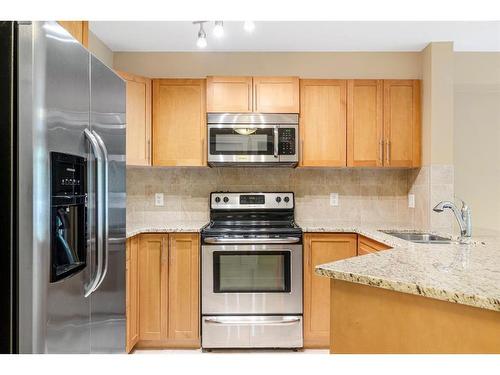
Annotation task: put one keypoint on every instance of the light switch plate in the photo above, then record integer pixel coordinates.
(158, 199)
(411, 200)
(334, 199)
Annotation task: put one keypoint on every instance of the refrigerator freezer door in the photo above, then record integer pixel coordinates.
(108, 123)
(53, 112)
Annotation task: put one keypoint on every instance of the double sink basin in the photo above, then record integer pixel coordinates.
(419, 237)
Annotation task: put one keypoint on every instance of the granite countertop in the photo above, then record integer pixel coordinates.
(179, 226)
(467, 274)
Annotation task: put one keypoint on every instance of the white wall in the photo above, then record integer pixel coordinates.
(477, 135)
(100, 50)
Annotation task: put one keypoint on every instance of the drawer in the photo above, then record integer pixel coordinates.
(252, 331)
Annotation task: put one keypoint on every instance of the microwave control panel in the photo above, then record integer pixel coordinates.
(286, 141)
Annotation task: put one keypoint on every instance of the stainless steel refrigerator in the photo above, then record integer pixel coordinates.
(62, 195)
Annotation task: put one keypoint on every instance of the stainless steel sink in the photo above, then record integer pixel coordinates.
(419, 237)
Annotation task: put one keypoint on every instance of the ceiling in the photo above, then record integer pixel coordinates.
(299, 35)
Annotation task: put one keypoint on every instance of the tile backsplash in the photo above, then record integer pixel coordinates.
(366, 196)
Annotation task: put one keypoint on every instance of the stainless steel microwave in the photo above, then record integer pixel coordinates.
(253, 139)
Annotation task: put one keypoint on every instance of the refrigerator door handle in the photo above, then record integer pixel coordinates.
(105, 207)
(89, 289)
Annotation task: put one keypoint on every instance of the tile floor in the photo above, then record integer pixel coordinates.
(198, 351)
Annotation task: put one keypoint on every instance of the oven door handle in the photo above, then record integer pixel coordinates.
(221, 240)
(240, 322)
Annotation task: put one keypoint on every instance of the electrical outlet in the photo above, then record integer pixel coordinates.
(334, 199)
(158, 199)
(411, 200)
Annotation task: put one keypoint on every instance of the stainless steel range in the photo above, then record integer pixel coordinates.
(251, 272)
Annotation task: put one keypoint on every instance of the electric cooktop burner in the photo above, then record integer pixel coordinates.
(251, 215)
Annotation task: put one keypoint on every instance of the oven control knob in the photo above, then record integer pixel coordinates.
(286, 199)
(278, 199)
(226, 199)
(217, 199)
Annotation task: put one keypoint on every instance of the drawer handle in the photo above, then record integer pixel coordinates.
(250, 322)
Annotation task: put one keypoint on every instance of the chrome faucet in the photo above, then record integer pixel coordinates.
(462, 215)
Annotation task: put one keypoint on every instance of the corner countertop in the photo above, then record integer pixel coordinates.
(467, 274)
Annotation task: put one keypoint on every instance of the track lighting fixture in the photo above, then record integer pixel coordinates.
(201, 42)
(219, 29)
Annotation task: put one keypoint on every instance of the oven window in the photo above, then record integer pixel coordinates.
(251, 271)
(241, 141)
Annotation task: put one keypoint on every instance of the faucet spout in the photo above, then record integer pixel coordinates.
(463, 216)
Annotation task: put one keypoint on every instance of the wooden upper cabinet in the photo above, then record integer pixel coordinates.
(132, 295)
(184, 285)
(276, 94)
(320, 248)
(153, 286)
(323, 123)
(229, 94)
(78, 29)
(367, 245)
(138, 119)
(179, 118)
(402, 129)
(365, 123)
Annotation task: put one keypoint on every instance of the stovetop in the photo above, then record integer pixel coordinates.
(251, 215)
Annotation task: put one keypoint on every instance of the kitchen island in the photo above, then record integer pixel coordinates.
(416, 298)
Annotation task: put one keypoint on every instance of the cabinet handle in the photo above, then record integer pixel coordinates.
(381, 151)
(301, 151)
(203, 153)
(149, 152)
(164, 254)
(255, 98)
(388, 152)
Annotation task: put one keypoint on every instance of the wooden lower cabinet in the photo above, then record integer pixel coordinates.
(132, 295)
(183, 290)
(321, 248)
(372, 320)
(168, 286)
(367, 245)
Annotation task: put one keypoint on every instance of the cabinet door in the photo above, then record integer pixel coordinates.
(153, 282)
(402, 123)
(138, 119)
(184, 285)
(276, 94)
(323, 123)
(179, 122)
(132, 301)
(78, 30)
(365, 123)
(319, 249)
(229, 94)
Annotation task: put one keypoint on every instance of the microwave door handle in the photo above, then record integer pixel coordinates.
(276, 140)
(89, 289)
(105, 208)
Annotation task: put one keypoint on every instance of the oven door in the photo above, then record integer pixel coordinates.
(252, 279)
(242, 143)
